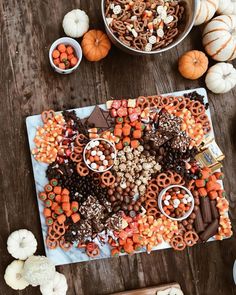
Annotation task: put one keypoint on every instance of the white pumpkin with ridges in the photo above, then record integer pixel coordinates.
(219, 38)
(227, 7)
(14, 275)
(205, 11)
(58, 286)
(75, 23)
(221, 78)
(21, 244)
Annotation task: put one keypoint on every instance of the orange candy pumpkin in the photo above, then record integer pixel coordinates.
(95, 45)
(193, 64)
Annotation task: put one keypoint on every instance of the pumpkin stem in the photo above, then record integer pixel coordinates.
(96, 42)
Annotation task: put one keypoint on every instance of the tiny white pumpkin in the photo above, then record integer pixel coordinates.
(14, 275)
(219, 38)
(227, 7)
(171, 291)
(221, 78)
(75, 23)
(21, 244)
(205, 11)
(38, 270)
(58, 286)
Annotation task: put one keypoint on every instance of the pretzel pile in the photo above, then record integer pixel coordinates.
(144, 25)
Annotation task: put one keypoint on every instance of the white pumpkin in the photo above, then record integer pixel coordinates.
(171, 291)
(205, 11)
(38, 270)
(221, 78)
(58, 286)
(219, 38)
(21, 244)
(14, 275)
(227, 7)
(75, 23)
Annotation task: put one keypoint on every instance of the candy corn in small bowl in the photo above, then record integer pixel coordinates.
(65, 55)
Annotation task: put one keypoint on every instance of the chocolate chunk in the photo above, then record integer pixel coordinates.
(97, 119)
(214, 209)
(157, 138)
(78, 231)
(181, 142)
(169, 123)
(210, 231)
(91, 208)
(206, 210)
(198, 223)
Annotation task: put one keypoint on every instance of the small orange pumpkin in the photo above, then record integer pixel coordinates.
(193, 64)
(95, 45)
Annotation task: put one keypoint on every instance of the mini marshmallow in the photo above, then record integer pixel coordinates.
(101, 168)
(167, 203)
(168, 197)
(94, 166)
(92, 144)
(184, 201)
(102, 157)
(176, 203)
(88, 162)
(189, 199)
(112, 155)
(99, 153)
(96, 142)
(89, 147)
(93, 153)
(105, 162)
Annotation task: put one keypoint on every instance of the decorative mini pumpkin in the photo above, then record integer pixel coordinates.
(171, 291)
(205, 11)
(21, 244)
(75, 23)
(219, 38)
(227, 7)
(58, 286)
(221, 78)
(193, 64)
(95, 45)
(13, 275)
(38, 270)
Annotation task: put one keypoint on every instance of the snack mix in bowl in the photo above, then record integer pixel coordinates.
(147, 25)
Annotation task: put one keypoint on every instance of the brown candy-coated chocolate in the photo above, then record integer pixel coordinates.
(214, 210)
(206, 210)
(198, 224)
(210, 231)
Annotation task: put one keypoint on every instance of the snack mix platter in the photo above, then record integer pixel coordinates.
(128, 176)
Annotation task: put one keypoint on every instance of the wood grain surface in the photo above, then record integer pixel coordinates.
(28, 86)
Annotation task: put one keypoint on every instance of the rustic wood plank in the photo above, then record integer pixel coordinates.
(28, 86)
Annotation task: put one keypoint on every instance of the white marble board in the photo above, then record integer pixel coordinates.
(58, 256)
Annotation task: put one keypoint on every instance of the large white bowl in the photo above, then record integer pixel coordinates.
(78, 51)
(160, 197)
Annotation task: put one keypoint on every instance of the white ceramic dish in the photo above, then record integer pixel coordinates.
(160, 199)
(78, 51)
(86, 148)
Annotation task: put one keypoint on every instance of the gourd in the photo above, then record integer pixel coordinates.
(75, 23)
(221, 78)
(38, 270)
(14, 275)
(95, 45)
(171, 291)
(193, 64)
(205, 11)
(58, 286)
(21, 244)
(227, 7)
(219, 38)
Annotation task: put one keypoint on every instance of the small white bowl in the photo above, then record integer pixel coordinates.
(78, 51)
(160, 197)
(86, 148)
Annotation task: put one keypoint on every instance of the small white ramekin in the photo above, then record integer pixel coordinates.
(78, 51)
(99, 139)
(160, 197)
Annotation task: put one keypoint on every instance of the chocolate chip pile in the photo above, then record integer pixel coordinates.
(145, 25)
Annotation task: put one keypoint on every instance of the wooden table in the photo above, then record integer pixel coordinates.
(29, 86)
